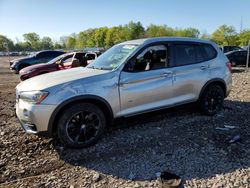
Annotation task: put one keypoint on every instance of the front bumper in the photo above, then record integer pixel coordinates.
(34, 118)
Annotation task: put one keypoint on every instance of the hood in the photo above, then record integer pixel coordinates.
(44, 81)
(32, 67)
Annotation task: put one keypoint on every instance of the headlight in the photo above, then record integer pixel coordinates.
(33, 96)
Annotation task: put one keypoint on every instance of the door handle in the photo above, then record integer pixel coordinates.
(204, 67)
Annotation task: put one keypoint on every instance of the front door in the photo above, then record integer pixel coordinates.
(147, 83)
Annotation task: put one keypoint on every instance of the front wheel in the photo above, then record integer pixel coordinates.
(81, 125)
(212, 100)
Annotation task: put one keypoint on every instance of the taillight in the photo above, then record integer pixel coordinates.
(229, 66)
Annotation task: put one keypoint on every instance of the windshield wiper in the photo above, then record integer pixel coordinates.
(99, 68)
(91, 67)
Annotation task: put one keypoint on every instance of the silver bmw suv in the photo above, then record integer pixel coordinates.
(130, 78)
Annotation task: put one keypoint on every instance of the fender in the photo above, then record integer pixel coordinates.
(72, 100)
(213, 81)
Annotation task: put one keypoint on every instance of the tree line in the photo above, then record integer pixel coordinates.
(108, 36)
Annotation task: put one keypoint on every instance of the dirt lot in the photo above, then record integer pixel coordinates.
(177, 140)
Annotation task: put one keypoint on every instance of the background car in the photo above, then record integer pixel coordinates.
(237, 58)
(39, 57)
(226, 49)
(65, 61)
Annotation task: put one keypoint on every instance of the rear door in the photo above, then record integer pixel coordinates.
(146, 83)
(191, 69)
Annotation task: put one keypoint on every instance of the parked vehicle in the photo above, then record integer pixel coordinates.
(39, 57)
(91, 56)
(130, 78)
(226, 49)
(237, 58)
(61, 62)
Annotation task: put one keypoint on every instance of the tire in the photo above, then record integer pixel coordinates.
(81, 125)
(211, 100)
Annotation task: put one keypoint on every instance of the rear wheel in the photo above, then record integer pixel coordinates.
(212, 100)
(81, 125)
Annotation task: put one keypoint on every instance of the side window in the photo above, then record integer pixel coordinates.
(210, 51)
(186, 54)
(41, 55)
(90, 56)
(153, 57)
(52, 54)
(67, 59)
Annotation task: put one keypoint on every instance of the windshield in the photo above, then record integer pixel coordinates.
(114, 57)
(56, 59)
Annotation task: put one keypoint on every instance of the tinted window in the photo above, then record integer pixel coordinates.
(49, 54)
(90, 56)
(210, 51)
(41, 55)
(53, 53)
(186, 54)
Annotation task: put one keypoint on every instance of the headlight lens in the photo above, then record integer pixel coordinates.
(35, 97)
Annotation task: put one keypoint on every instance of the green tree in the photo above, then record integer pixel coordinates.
(100, 36)
(3, 40)
(189, 32)
(71, 42)
(33, 39)
(81, 40)
(244, 37)
(134, 30)
(114, 35)
(58, 46)
(225, 35)
(46, 43)
(159, 31)
(23, 46)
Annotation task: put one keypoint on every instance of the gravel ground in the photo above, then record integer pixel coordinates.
(177, 140)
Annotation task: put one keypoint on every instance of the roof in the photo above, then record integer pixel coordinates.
(160, 39)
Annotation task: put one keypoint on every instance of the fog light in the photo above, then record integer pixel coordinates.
(25, 112)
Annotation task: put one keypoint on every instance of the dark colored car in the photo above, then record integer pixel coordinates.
(39, 57)
(226, 49)
(237, 58)
(65, 61)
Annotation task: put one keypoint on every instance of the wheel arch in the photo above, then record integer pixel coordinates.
(214, 81)
(98, 101)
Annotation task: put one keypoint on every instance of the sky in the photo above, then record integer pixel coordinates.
(55, 18)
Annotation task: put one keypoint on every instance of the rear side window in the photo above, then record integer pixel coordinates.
(53, 53)
(41, 55)
(186, 54)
